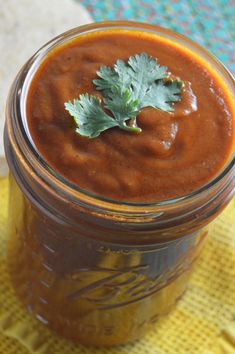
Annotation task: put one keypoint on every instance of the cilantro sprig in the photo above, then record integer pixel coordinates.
(126, 88)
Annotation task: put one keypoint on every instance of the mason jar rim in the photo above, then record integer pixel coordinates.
(56, 180)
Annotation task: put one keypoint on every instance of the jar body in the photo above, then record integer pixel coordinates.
(98, 272)
(93, 292)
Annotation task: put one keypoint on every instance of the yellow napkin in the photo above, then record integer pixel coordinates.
(202, 323)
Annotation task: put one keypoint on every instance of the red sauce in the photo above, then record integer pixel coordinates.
(175, 154)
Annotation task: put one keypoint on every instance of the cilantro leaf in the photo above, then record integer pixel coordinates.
(144, 71)
(89, 116)
(108, 79)
(126, 88)
(161, 95)
(123, 107)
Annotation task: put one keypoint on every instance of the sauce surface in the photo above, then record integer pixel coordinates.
(175, 154)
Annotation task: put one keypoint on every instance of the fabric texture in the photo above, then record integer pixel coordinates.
(207, 22)
(203, 322)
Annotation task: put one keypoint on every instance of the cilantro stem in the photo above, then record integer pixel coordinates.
(132, 129)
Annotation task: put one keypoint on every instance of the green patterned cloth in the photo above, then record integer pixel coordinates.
(210, 23)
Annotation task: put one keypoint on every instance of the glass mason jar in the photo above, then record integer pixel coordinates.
(95, 270)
